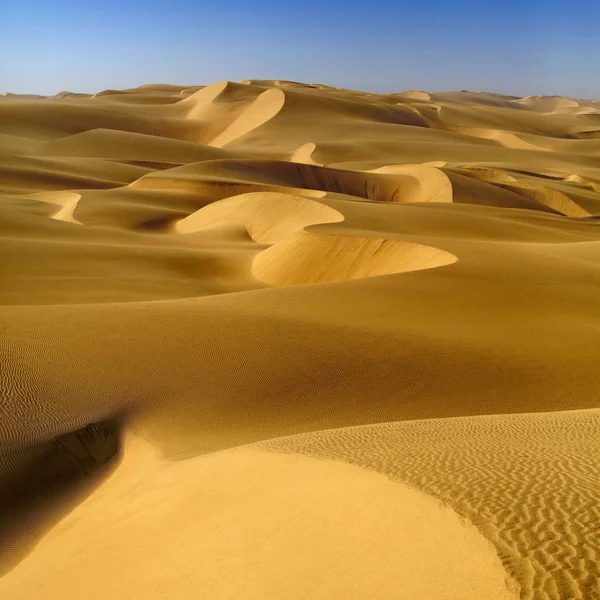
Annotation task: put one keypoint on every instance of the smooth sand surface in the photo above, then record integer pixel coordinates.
(252, 524)
(276, 340)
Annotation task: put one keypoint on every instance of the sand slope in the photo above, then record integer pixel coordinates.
(398, 535)
(404, 282)
(528, 481)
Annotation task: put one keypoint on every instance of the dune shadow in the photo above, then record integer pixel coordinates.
(40, 484)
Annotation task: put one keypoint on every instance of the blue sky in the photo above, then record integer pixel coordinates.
(514, 47)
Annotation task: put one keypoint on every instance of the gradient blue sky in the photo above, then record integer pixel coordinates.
(516, 47)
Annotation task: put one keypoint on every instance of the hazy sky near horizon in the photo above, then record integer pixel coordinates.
(518, 47)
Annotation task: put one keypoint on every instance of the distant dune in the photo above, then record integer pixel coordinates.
(273, 340)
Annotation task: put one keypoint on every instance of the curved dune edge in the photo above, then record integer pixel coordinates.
(549, 197)
(263, 109)
(584, 182)
(66, 200)
(488, 175)
(527, 481)
(116, 145)
(415, 95)
(108, 93)
(510, 140)
(540, 195)
(202, 98)
(547, 104)
(304, 154)
(505, 138)
(268, 216)
(253, 524)
(224, 178)
(310, 257)
(433, 185)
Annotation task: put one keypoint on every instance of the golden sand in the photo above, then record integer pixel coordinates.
(275, 340)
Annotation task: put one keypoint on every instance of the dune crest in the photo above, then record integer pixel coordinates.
(415, 95)
(196, 102)
(315, 258)
(265, 107)
(304, 154)
(548, 104)
(268, 216)
(432, 184)
(66, 200)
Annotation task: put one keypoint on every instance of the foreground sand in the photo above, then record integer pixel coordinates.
(390, 301)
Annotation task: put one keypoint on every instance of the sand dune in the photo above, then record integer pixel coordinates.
(130, 147)
(313, 258)
(304, 154)
(66, 200)
(264, 108)
(398, 532)
(208, 288)
(548, 103)
(528, 481)
(269, 217)
(415, 95)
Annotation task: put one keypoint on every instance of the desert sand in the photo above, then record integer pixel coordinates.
(272, 340)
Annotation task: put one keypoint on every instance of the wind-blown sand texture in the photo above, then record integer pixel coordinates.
(275, 340)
